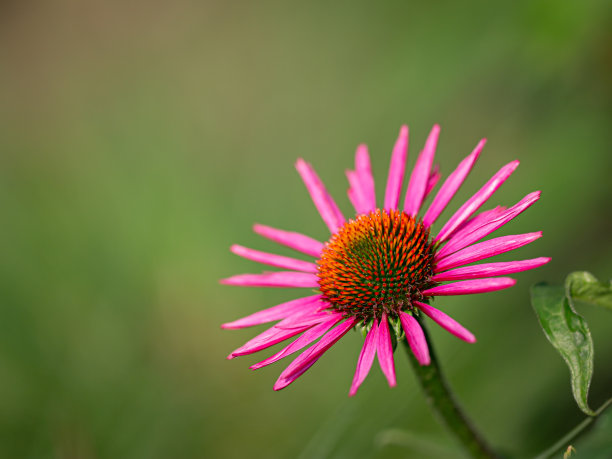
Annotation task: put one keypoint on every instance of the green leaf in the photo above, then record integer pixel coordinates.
(583, 286)
(569, 334)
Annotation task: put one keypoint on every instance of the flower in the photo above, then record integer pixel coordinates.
(383, 266)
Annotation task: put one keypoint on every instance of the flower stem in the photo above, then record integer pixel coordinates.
(442, 401)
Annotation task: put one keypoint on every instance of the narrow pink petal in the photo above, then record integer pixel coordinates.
(275, 279)
(264, 340)
(307, 337)
(355, 193)
(363, 168)
(466, 238)
(330, 213)
(420, 174)
(486, 249)
(416, 338)
(270, 337)
(308, 358)
(446, 322)
(274, 260)
(471, 286)
(281, 311)
(474, 203)
(433, 180)
(296, 241)
(300, 320)
(451, 185)
(384, 350)
(476, 221)
(366, 358)
(355, 199)
(396, 170)
(490, 269)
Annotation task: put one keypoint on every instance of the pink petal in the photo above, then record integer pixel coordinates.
(451, 185)
(308, 337)
(296, 241)
(477, 200)
(471, 286)
(308, 358)
(396, 170)
(446, 322)
(363, 169)
(490, 269)
(465, 238)
(270, 337)
(281, 311)
(330, 213)
(355, 199)
(420, 174)
(384, 349)
(300, 320)
(274, 260)
(433, 180)
(275, 279)
(366, 358)
(416, 338)
(355, 193)
(486, 249)
(477, 221)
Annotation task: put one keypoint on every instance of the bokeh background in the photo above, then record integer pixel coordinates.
(139, 140)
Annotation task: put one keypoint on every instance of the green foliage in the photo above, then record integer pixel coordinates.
(583, 286)
(568, 332)
(593, 438)
(597, 443)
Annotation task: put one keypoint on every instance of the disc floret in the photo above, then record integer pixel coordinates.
(379, 262)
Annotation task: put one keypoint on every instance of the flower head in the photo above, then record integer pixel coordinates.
(383, 266)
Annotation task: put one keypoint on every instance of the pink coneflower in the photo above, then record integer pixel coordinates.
(382, 268)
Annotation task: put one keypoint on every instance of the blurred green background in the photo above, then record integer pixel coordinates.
(139, 140)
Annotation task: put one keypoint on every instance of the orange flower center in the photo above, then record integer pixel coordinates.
(379, 262)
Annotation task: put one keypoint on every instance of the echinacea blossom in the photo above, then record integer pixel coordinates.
(383, 267)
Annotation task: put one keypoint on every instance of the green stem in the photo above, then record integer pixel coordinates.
(573, 434)
(442, 401)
